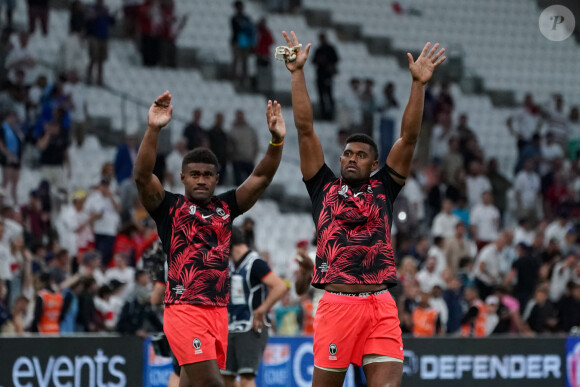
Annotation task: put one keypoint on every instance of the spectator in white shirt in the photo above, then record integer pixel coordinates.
(442, 132)
(564, 272)
(75, 226)
(523, 233)
(445, 221)
(91, 267)
(414, 194)
(527, 186)
(350, 113)
(524, 124)
(21, 58)
(173, 167)
(484, 220)
(123, 273)
(437, 251)
(428, 276)
(476, 183)
(104, 206)
(558, 228)
(79, 113)
(488, 266)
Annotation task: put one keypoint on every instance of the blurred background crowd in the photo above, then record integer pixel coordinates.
(480, 249)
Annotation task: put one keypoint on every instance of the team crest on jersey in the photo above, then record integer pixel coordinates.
(343, 190)
(220, 211)
(332, 349)
(192, 210)
(197, 345)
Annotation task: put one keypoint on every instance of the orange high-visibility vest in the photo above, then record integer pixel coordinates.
(476, 328)
(51, 309)
(424, 322)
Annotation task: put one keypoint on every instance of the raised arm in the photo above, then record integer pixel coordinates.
(311, 155)
(150, 190)
(401, 154)
(250, 191)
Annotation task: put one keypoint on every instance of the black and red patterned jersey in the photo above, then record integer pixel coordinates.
(196, 240)
(353, 229)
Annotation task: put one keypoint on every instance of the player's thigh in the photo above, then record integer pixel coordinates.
(203, 374)
(327, 378)
(384, 374)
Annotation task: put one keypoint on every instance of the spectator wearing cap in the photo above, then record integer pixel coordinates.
(558, 229)
(103, 205)
(484, 219)
(524, 273)
(123, 273)
(74, 226)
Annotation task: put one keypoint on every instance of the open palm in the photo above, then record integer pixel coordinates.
(301, 55)
(422, 69)
(276, 121)
(160, 112)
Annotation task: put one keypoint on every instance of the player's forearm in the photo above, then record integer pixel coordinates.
(303, 116)
(302, 282)
(275, 293)
(268, 166)
(145, 161)
(411, 125)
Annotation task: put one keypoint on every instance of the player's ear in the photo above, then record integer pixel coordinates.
(375, 165)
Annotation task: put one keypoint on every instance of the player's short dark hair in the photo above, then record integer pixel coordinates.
(237, 237)
(200, 155)
(365, 139)
(437, 240)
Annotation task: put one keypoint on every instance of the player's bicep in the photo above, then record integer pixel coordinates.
(400, 158)
(311, 155)
(151, 192)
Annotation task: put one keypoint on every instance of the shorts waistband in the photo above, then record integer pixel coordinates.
(357, 298)
(359, 294)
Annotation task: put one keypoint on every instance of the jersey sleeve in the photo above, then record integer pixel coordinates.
(229, 197)
(315, 185)
(392, 188)
(260, 269)
(162, 217)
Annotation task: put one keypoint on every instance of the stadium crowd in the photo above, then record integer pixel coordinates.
(477, 252)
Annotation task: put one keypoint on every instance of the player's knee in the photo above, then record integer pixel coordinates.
(247, 380)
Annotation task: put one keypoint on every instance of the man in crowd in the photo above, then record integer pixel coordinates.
(254, 289)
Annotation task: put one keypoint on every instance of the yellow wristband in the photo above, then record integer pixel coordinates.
(277, 144)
